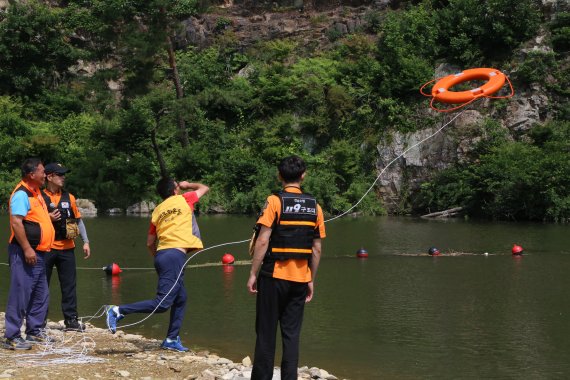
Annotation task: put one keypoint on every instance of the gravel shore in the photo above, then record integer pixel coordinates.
(98, 354)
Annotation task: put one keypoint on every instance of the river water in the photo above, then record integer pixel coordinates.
(390, 316)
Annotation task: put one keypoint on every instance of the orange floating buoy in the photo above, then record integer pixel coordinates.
(112, 269)
(441, 90)
(517, 250)
(228, 259)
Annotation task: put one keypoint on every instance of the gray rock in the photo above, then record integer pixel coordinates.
(526, 111)
(315, 372)
(86, 207)
(208, 375)
(246, 361)
(141, 208)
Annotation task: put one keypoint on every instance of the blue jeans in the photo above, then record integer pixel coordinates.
(168, 264)
(28, 296)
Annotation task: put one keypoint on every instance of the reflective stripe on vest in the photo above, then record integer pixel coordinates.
(37, 224)
(294, 231)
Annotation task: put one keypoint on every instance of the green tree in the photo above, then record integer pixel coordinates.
(476, 32)
(34, 48)
(406, 50)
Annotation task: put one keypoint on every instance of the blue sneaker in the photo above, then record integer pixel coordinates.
(113, 317)
(174, 345)
(17, 343)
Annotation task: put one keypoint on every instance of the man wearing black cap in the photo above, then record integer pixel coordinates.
(67, 224)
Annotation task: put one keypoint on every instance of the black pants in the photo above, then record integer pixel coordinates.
(284, 302)
(64, 261)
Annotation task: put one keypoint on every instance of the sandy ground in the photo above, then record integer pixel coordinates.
(117, 356)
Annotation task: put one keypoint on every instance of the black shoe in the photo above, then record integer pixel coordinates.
(74, 325)
(16, 344)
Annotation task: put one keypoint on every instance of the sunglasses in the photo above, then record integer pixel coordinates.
(59, 174)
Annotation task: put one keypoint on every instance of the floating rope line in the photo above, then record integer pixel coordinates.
(203, 265)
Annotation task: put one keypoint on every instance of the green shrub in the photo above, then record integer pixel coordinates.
(536, 66)
(560, 30)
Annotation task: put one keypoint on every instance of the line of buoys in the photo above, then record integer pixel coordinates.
(228, 259)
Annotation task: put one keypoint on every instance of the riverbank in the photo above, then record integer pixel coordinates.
(98, 354)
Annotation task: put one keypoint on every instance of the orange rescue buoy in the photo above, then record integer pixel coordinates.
(441, 90)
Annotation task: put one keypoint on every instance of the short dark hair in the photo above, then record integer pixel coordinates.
(165, 187)
(30, 165)
(292, 168)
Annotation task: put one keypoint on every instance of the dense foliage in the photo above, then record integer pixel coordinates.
(242, 110)
(511, 180)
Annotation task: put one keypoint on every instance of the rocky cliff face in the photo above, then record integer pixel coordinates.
(313, 27)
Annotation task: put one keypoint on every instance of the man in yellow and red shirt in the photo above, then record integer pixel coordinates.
(284, 267)
(32, 236)
(172, 234)
(62, 205)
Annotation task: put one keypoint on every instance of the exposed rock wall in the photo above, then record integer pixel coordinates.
(249, 28)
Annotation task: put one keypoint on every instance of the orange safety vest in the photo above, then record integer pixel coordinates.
(37, 223)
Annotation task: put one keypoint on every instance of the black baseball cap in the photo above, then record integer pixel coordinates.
(56, 168)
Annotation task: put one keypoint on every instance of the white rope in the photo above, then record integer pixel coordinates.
(55, 350)
(391, 162)
(176, 281)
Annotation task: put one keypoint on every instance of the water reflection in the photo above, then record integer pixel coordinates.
(114, 282)
(228, 280)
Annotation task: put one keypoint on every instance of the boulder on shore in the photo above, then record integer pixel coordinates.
(86, 207)
(141, 208)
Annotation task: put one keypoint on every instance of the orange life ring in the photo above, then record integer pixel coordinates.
(495, 80)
